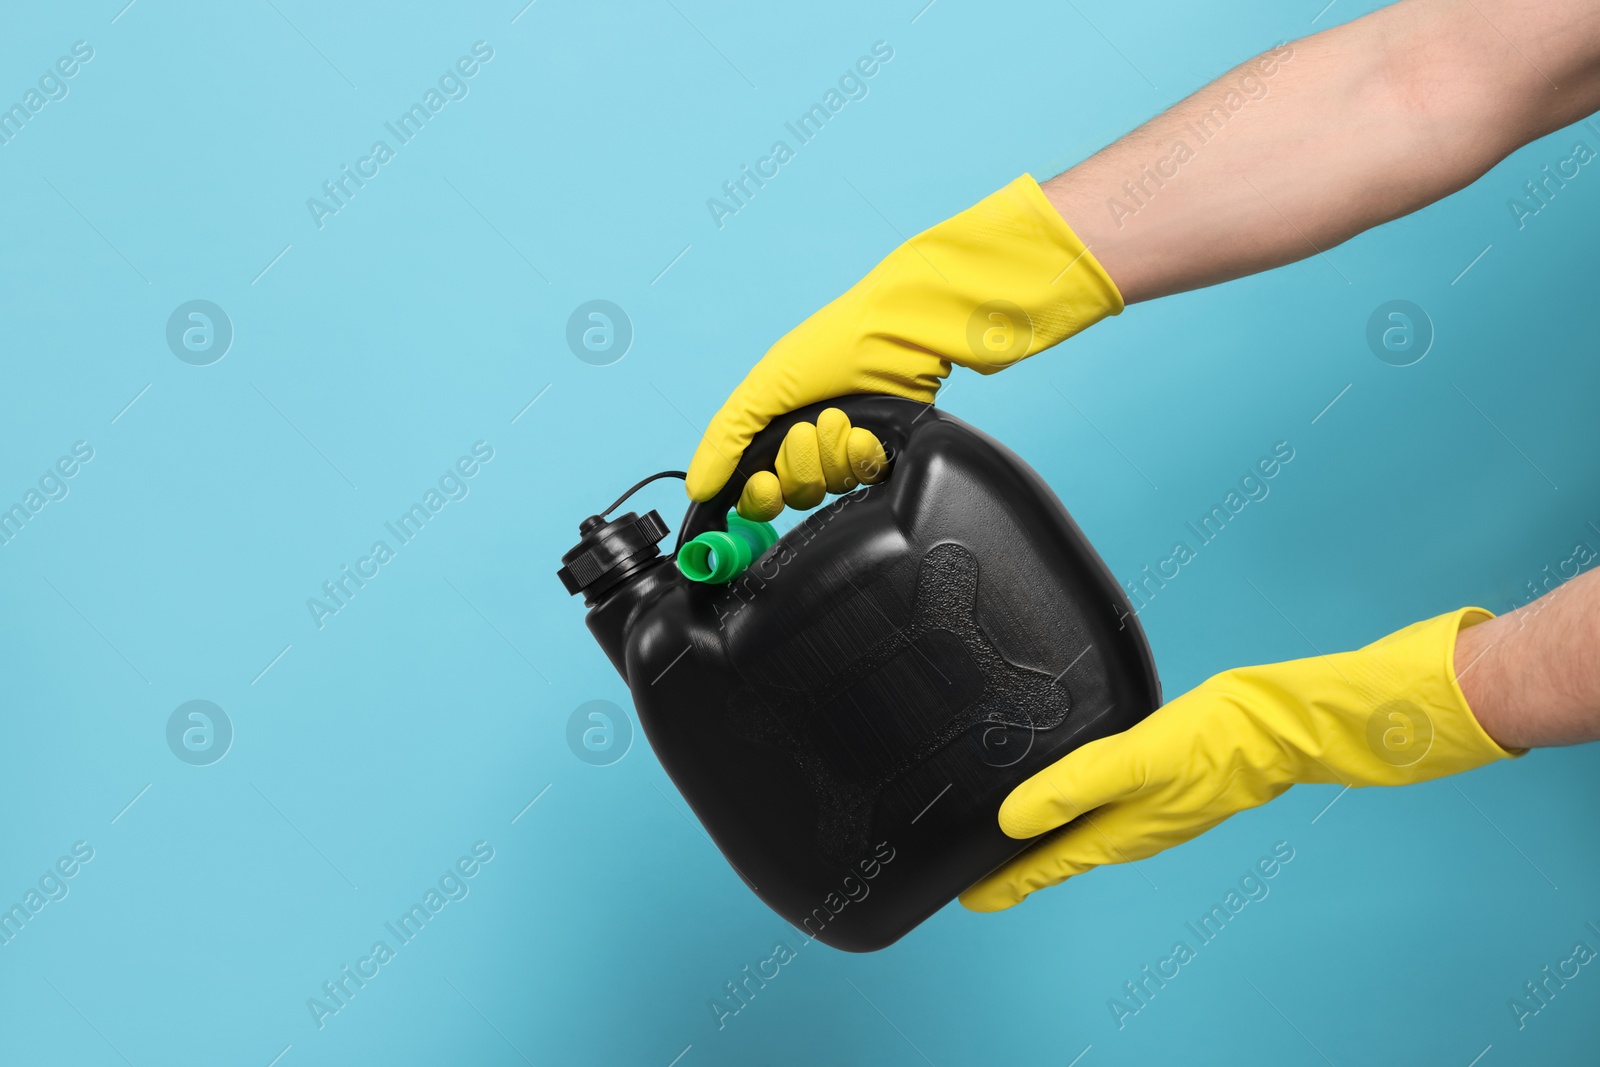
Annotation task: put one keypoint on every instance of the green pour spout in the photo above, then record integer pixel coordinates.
(717, 558)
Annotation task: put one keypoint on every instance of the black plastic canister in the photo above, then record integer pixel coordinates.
(846, 718)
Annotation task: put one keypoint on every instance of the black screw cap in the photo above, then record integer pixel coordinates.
(610, 551)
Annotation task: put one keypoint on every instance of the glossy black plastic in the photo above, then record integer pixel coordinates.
(847, 717)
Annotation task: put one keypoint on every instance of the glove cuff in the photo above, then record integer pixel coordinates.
(1023, 281)
(1096, 295)
(1421, 724)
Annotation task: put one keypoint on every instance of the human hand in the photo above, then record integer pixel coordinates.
(984, 289)
(1391, 713)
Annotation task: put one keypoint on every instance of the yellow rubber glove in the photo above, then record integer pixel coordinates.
(984, 289)
(1391, 713)
(815, 459)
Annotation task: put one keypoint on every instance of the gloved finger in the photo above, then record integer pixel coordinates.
(799, 467)
(868, 461)
(1071, 853)
(1099, 773)
(1116, 834)
(833, 444)
(762, 498)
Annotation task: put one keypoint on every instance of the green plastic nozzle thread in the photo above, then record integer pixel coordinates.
(717, 558)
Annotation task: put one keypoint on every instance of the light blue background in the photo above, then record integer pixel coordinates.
(426, 715)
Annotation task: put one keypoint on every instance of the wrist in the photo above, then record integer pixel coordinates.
(1475, 674)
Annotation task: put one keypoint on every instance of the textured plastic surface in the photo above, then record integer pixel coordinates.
(846, 718)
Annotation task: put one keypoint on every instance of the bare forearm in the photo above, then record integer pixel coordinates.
(1319, 139)
(1532, 677)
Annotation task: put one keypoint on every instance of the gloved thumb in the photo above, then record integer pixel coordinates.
(1099, 773)
(1083, 846)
